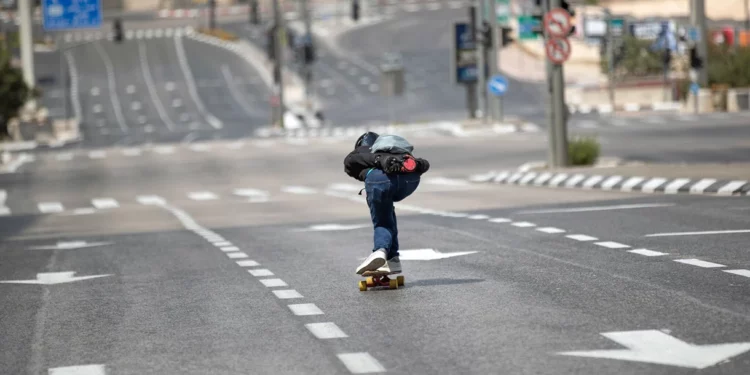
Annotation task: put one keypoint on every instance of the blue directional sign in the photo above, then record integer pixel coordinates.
(71, 14)
(497, 85)
(694, 88)
(694, 35)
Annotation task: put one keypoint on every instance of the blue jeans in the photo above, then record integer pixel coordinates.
(382, 190)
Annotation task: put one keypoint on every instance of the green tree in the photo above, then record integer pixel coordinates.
(636, 59)
(14, 92)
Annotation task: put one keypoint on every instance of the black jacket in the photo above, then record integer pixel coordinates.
(361, 159)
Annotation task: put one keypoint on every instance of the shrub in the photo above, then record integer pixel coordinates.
(583, 151)
(636, 59)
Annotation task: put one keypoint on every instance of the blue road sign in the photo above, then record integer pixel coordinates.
(694, 88)
(497, 85)
(694, 35)
(71, 14)
(465, 59)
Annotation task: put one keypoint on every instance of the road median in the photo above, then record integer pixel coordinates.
(712, 179)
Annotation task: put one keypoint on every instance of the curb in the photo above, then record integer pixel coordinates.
(627, 107)
(618, 183)
(452, 128)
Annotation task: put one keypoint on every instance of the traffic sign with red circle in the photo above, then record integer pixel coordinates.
(558, 50)
(557, 23)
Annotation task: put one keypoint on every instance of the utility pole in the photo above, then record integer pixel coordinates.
(557, 79)
(497, 103)
(481, 72)
(27, 47)
(552, 134)
(698, 20)
(308, 67)
(278, 78)
(211, 14)
(254, 19)
(610, 58)
(471, 87)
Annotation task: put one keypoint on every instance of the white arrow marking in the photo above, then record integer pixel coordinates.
(254, 194)
(429, 254)
(78, 370)
(333, 227)
(50, 278)
(652, 346)
(69, 245)
(298, 190)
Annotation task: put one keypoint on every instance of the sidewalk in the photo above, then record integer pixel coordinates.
(699, 178)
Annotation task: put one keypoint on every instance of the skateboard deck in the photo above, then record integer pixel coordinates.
(380, 278)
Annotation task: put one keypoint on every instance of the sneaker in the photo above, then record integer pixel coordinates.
(394, 264)
(373, 262)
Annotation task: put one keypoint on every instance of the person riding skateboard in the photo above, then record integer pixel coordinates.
(390, 173)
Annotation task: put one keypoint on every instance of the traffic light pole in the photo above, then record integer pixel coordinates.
(27, 48)
(610, 59)
(278, 77)
(557, 83)
(497, 103)
(481, 50)
(308, 39)
(211, 14)
(698, 19)
(471, 87)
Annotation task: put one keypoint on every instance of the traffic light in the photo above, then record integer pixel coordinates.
(308, 53)
(695, 61)
(355, 10)
(506, 38)
(538, 16)
(484, 34)
(117, 30)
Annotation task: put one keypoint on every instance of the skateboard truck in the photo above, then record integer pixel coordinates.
(374, 278)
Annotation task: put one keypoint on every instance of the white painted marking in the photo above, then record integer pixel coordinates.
(745, 273)
(70, 245)
(130, 89)
(247, 263)
(151, 86)
(236, 94)
(612, 245)
(229, 248)
(652, 184)
(597, 208)
(478, 217)
(150, 200)
(190, 81)
(611, 182)
(260, 272)
(429, 254)
(647, 252)
(630, 183)
(499, 220)
(112, 89)
(78, 370)
(202, 196)
(558, 179)
(447, 181)
(591, 181)
(50, 207)
(523, 224)
(581, 237)
(237, 255)
(200, 147)
(542, 178)
(734, 231)
(97, 154)
(169, 86)
(360, 363)
(65, 156)
(674, 186)
(96, 108)
(164, 150)
(104, 203)
(574, 180)
(220, 242)
(287, 294)
(94, 91)
(527, 178)
(4, 211)
(51, 278)
(700, 263)
(702, 185)
(298, 190)
(136, 105)
(551, 230)
(303, 309)
(326, 330)
(333, 227)
(653, 346)
(729, 188)
(271, 283)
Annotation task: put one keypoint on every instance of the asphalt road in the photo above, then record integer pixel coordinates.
(215, 258)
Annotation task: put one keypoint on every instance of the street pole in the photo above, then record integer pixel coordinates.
(27, 48)
(558, 108)
(254, 12)
(610, 59)
(481, 81)
(471, 87)
(497, 104)
(278, 63)
(551, 130)
(309, 39)
(211, 14)
(698, 19)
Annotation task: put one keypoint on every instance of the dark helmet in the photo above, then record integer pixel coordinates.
(366, 139)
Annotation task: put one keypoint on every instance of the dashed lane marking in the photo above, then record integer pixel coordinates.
(551, 230)
(287, 294)
(360, 363)
(97, 155)
(699, 263)
(66, 156)
(247, 263)
(298, 190)
(597, 208)
(50, 207)
(327, 330)
(734, 231)
(745, 273)
(304, 309)
(260, 272)
(647, 252)
(202, 196)
(222, 243)
(273, 283)
(499, 220)
(228, 249)
(104, 203)
(523, 224)
(612, 245)
(237, 255)
(78, 370)
(581, 237)
(478, 217)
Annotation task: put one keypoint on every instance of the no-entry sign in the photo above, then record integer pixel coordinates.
(557, 23)
(558, 50)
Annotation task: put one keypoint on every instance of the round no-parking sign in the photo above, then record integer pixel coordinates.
(557, 49)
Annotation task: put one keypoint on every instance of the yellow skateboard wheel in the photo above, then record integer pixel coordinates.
(370, 281)
(400, 280)
(393, 284)
(362, 286)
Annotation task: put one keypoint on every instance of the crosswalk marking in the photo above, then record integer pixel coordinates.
(104, 203)
(203, 196)
(50, 207)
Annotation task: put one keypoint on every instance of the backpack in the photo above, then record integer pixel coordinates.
(393, 144)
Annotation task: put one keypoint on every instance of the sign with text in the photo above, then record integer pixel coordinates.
(464, 59)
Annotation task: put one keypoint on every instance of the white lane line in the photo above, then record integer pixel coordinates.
(499, 220)
(612, 245)
(287, 294)
(304, 309)
(360, 363)
(97, 154)
(698, 233)
(169, 86)
(202, 196)
(164, 150)
(551, 230)
(745, 273)
(478, 217)
(112, 90)
(78, 370)
(327, 330)
(66, 156)
(237, 255)
(523, 224)
(136, 105)
(221, 243)
(130, 89)
(581, 237)
(104, 203)
(298, 190)
(229, 248)
(131, 152)
(699, 263)
(260, 272)
(50, 207)
(597, 208)
(150, 200)
(272, 283)
(247, 263)
(674, 186)
(730, 187)
(152, 87)
(647, 252)
(702, 185)
(190, 81)
(233, 91)
(4, 211)
(348, 85)
(73, 72)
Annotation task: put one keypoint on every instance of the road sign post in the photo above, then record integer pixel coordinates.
(498, 86)
(464, 61)
(557, 26)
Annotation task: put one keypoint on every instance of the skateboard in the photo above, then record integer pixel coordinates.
(380, 278)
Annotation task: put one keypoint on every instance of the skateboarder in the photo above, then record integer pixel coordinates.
(390, 173)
